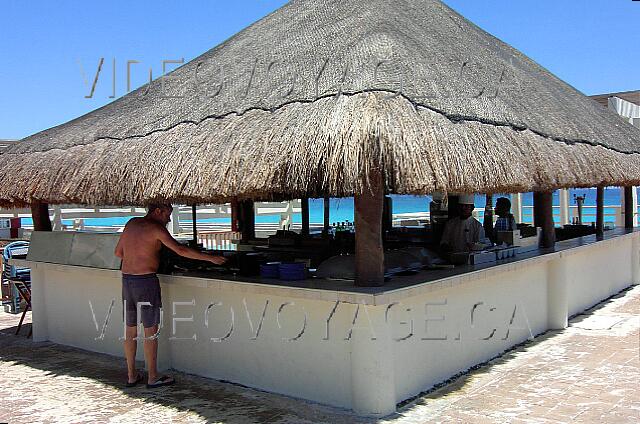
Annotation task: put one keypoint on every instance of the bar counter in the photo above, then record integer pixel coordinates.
(363, 349)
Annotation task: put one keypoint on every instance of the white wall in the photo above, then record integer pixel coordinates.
(310, 367)
(421, 362)
(598, 272)
(349, 369)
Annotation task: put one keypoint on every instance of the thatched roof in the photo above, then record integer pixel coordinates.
(303, 101)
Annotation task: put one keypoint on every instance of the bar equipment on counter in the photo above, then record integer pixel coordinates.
(292, 271)
(270, 270)
(396, 262)
(472, 258)
(510, 238)
(244, 263)
(284, 238)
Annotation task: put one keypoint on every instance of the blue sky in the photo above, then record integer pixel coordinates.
(46, 46)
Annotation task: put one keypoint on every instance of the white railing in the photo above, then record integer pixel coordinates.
(182, 218)
(612, 213)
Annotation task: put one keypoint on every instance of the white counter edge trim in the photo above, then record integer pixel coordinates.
(382, 298)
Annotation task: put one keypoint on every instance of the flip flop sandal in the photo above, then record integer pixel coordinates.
(139, 380)
(161, 382)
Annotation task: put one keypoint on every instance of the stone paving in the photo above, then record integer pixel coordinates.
(589, 372)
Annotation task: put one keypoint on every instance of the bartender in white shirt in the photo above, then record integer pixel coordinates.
(464, 233)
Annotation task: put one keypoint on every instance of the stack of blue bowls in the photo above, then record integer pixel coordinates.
(292, 271)
(270, 270)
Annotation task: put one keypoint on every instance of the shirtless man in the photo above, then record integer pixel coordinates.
(139, 248)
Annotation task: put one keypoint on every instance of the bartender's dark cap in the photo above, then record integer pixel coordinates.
(153, 206)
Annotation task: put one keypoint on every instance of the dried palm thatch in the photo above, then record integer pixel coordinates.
(304, 101)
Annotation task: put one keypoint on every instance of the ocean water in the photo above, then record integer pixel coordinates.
(342, 209)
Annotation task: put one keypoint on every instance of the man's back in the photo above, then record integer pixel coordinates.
(141, 246)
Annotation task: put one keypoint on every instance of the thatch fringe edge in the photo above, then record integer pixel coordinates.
(298, 152)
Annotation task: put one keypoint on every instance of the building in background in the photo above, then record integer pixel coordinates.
(626, 104)
(5, 143)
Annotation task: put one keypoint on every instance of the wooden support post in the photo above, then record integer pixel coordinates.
(628, 207)
(327, 211)
(194, 211)
(537, 211)
(387, 214)
(600, 211)
(368, 220)
(247, 220)
(235, 215)
(305, 216)
(40, 215)
(543, 217)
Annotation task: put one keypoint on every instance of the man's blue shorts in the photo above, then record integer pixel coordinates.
(141, 288)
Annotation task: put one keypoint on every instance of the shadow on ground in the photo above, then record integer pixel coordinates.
(11, 331)
(213, 401)
(459, 382)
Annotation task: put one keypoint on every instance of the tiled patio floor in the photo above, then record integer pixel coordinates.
(587, 373)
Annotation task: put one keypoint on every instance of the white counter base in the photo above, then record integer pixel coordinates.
(317, 344)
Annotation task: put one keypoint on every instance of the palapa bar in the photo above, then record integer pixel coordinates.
(333, 99)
